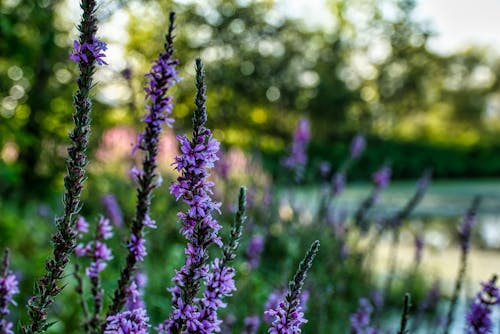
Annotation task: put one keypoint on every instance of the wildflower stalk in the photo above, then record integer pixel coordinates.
(464, 233)
(395, 221)
(161, 78)
(47, 287)
(198, 225)
(405, 315)
(288, 315)
(338, 179)
(236, 229)
(381, 180)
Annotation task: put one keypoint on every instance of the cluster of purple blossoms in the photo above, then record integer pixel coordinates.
(479, 315)
(162, 76)
(193, 186)
(358, 145)
(360, 320)
(297, 159)
(254, 251)
(382, 177)
(135, 292)
(113, 210)
(219, 284)
(338, 183)
(128, 322)
(88, 52)
(285, 311)
(96, 249)
(8, 288)
(286, 322)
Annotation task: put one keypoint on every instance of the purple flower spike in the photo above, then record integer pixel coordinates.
(136, 292)
(104, 229)
(254, 250)
(288, 315)
(479, 315)
(297, 159)
(358, 145)
(199, 228)
(382, 177)
(419, 247)
(275, 298)
(338, 183)
(360, 320)
(137, 247)
(162, 76)
(465, 231)
(8, 288)
(113, 209)
(128, 322)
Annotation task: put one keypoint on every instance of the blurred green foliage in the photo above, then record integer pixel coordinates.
(366, 71)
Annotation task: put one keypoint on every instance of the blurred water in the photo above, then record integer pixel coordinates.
(445, 202)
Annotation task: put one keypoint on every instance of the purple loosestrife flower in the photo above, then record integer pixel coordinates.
(136, 292)
(88, 52)
(190, 315)
(219, 281)
(288, 315)
(219, 284)
(479, 315)
(254, 250)
(8, 288)
(297, 159)
(419, 247)
(96, 249)
(325, 168)
(161, 78)
(338, 183)
(113, 210)
(358, 145)
(276, 297)
(360, 320)
(128, 322)
(99, 254)
(251, 325)
(382, 177)
(464, 233)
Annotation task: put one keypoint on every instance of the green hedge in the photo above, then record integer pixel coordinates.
(408, 159)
